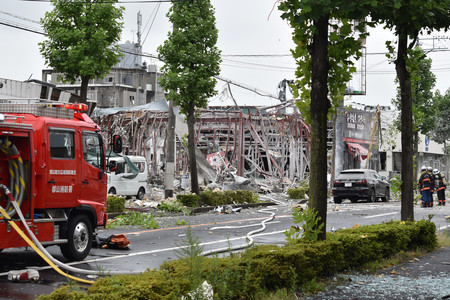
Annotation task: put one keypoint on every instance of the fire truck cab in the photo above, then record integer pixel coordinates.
(52, 158)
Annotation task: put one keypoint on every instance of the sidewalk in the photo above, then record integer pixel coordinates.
(425, 278)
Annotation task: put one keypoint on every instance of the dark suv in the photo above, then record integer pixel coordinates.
(360, 184)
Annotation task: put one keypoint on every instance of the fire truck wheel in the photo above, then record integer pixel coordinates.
(112, 191)
(79, 236)
(141, 193)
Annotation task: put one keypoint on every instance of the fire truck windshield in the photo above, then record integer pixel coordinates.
(92, 150)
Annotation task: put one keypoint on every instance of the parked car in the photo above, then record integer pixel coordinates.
(358, 184)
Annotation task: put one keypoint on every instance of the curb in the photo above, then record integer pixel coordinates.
(205, 209)
(194, 210)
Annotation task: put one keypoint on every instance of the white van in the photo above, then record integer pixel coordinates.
(127, 176)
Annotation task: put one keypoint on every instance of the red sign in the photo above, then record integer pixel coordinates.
(217, 160)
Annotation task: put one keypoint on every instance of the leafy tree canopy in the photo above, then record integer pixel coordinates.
(191, 60)
(441, 133)
(344, 43)
(81, 37)
(190, 54)
(412, 16)
(422, 83)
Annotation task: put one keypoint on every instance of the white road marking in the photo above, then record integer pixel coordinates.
(381, 215)
(95, 260)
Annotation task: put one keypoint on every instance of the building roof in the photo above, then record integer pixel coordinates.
(160, 105)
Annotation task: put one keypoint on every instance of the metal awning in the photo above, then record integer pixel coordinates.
(357, 150)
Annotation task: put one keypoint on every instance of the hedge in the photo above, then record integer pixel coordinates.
(265, 267)
(115, 204)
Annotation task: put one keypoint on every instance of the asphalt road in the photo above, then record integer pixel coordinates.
(150, 248)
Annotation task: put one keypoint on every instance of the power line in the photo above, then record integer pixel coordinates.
(19, 17)
(259, 65)
(254, 68)
(264, 66)
(250, 65)
(380, 72)
(120, 1)
(257, 55)
(153, 21)
(22, 27)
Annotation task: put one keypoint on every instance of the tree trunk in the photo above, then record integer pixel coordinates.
(416, 156)
(407, 209)
(191, 148)
(83, 94)
(170, 154)
(319, 112)
(84, 87)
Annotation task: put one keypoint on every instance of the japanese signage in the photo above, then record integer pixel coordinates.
(358, 125)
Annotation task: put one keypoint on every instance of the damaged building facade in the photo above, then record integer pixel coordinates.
(252, 142)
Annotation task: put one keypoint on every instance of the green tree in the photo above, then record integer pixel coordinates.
(441, 132)
(325, 60)
(191, 60)
(422, 84)
(407, 19)
(81, 39)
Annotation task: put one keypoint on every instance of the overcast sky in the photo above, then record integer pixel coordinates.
(255, 48)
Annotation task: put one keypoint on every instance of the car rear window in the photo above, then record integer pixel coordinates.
(352, 175)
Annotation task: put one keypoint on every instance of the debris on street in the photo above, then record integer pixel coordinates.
(227, 209)
(23, 275)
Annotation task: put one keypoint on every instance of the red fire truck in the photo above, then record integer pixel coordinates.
(52, 158)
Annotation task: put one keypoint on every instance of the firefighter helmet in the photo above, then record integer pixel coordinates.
(424, 168)
(435, 171)
(430, 169)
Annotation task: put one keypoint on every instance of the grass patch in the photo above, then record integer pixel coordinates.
(282, 294)
(443, 238)
(181, 222)
(142, 220)
(173, 206)
(401, 257)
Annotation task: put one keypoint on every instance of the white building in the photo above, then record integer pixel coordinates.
(430, 153)
(130, 82)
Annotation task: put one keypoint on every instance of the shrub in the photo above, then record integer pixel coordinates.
(297, 193)
(115, 204)
(308, 228)
(212, 198)
(173, 206)
(189, 200)
(374, 242)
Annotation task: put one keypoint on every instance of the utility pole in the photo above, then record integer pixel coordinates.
(339, 141)
(170, 154)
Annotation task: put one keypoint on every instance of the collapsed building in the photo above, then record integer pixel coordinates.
(270, 143)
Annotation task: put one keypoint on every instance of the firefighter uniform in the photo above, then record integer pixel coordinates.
(441, 185)
(430, 171)
(425, 186)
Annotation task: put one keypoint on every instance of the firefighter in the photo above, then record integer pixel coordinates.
(430, 171)
(441, 185)
(425, 187)
(422, 171)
